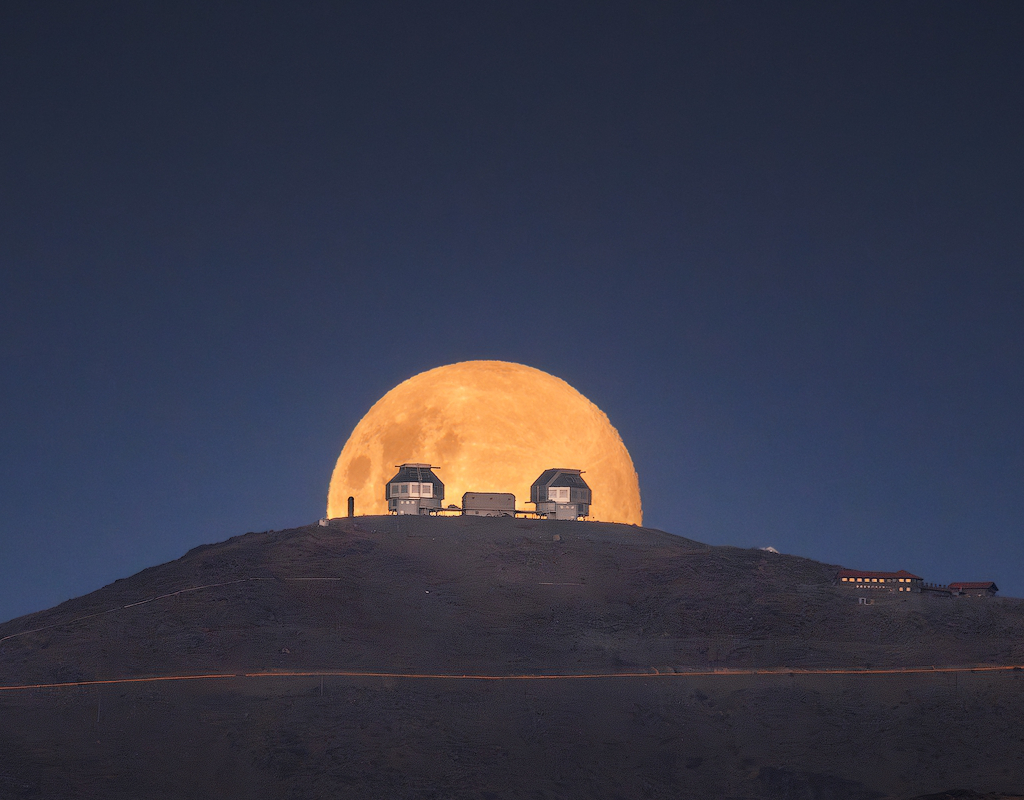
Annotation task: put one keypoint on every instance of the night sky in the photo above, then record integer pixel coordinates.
(781, 245)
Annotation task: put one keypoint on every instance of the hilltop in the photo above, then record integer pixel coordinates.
(503, 597)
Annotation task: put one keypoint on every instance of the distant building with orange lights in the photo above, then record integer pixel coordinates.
(903, 581)
(891, 582)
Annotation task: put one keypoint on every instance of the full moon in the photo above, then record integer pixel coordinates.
(488, 426)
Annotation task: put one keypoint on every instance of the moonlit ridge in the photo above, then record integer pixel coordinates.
(490, 426)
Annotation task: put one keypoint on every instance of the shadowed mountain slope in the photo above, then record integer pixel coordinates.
(500, 597)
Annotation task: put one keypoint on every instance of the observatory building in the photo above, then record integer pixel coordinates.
(561, 494)
(414, 490)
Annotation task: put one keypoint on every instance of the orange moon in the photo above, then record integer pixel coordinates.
(488, 426)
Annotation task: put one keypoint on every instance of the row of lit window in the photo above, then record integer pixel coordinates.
(876, 580)
(899, 588)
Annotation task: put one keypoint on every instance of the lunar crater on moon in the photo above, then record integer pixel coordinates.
(488, 426)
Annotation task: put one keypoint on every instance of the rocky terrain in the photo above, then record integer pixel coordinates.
(336, 657)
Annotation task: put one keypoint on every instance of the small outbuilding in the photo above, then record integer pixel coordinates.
(414, 490)
(489, 504)
(561, 494)
(973, 589)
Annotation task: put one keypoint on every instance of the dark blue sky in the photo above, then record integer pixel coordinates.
(780, 245)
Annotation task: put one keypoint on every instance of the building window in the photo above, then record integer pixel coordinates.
(426, 490)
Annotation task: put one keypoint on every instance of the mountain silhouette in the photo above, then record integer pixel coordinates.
(422, 657)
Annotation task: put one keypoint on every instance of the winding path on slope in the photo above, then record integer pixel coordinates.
(650, 673)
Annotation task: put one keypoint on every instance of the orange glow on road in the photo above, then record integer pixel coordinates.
(653, 673)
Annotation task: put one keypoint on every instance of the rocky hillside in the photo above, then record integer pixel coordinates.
(503, 597)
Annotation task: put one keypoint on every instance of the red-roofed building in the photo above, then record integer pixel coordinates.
(974, 588)
(867, 581)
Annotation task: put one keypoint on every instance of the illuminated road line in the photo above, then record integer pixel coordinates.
(721, 673)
